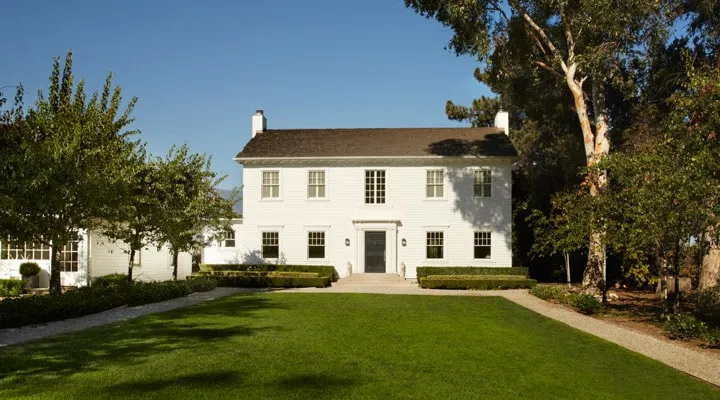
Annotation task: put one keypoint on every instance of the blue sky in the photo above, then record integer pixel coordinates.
(201, 68)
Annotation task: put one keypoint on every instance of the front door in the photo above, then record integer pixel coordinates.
(375, 251)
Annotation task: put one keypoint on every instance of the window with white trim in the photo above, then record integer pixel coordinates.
(316, 244)
(482, 245)
(271, 244)
(69, 257)
(434, 183)
(270, 184)
(227, 238)
(482, 183)
(24, 251)
(434, 245)
(316, 184)
(375, 187)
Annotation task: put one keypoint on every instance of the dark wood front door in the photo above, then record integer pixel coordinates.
(375, 251)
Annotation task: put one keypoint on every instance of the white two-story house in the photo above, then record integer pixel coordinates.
(375, 200)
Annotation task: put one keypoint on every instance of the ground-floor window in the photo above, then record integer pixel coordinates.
(434, 247)
(69, 257)
(24, 251)
(227, 238)
(482, 245)
(316, 244)
(270, 244)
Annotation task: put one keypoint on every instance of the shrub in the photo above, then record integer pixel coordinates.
(583, 302)
(707, 304)
(11, 287)
(548, 292)
(711, 338)
(29, 269)
(109, 281)
(684, 326)
(143, 293)
(322, 270)
(480, 283)
(282, 280)
(423, 272)
(201, 284)
(29, 310)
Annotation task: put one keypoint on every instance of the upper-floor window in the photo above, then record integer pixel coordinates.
(316, 244)
(434, 245)
(482, 183)
(482, 245)
(375, 187)
(270, 184)
(434, 183)
(316, 184)
(227, 238)
(271, 244)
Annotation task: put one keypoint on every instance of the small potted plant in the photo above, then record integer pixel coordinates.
(30, 272)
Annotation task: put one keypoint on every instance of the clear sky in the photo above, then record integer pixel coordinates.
(201, 68)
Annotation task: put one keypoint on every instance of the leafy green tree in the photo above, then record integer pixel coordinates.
(189, 201)
(578, 47)
(70, 154)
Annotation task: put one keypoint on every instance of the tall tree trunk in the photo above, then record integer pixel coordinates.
(567, 268)
(597, 146)
(131, 263)
(55, 258)
(710, 271)
(175, 263)
(663, 288)
(676, 272)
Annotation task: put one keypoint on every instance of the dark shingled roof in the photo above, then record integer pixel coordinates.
(379, 142)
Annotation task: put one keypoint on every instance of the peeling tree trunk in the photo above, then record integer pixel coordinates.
(131, 263)
(55, 258)
(710, 272)
(663, 289)
(567, 268)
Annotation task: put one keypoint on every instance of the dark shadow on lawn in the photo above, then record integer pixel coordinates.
(193, 381)
(319, 385)
(129, 342)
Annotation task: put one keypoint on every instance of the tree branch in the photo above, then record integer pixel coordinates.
(540, 32)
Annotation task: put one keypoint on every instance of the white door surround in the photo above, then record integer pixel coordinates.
(391, 233)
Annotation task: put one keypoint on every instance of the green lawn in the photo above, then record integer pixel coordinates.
(317, 346)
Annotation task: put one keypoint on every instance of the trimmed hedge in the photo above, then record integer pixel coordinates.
(11, 287)
(322, 270)
(111, 280)
(74, 303)
(423, 272)
(277, 280)
(480, 283)
(272, 274)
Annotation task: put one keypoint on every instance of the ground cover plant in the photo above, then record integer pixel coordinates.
(350, 346)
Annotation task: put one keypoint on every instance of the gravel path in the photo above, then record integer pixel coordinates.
(705, 366)
(12, 336)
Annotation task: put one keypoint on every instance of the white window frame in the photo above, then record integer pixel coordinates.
(485, 186)
(313, 188)
(270, 244)
(432, 184)
(270, 185)
(375, 186)
(23, 249)
(70, 257)
(320, 240)
(225, 236)
(480, 240)
(432, 241)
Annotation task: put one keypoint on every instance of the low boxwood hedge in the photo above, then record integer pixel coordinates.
(11, 287)
(28, 310)
(322, 270)
(479, 283)
(111, 280)
(277, 280)
(272, 274)
(423, 272)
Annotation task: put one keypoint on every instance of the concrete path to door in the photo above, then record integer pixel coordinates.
(703, 365)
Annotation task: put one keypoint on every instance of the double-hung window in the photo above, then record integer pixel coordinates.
(375, 187)
(482, 245)
(316, 184)
(270, 184)
(227, 238)
(316, 244)
(271, 244)
(434, 184)
(482, 183)
(434, 245)
(69, 257)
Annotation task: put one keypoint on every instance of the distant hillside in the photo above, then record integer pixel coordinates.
(225, 193)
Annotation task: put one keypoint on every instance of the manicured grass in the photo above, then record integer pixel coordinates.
(327, 346)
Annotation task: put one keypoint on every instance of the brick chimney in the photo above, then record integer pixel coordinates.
(259, 123)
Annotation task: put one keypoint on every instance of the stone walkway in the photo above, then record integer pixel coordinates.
(12, 336)
(705, 366)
